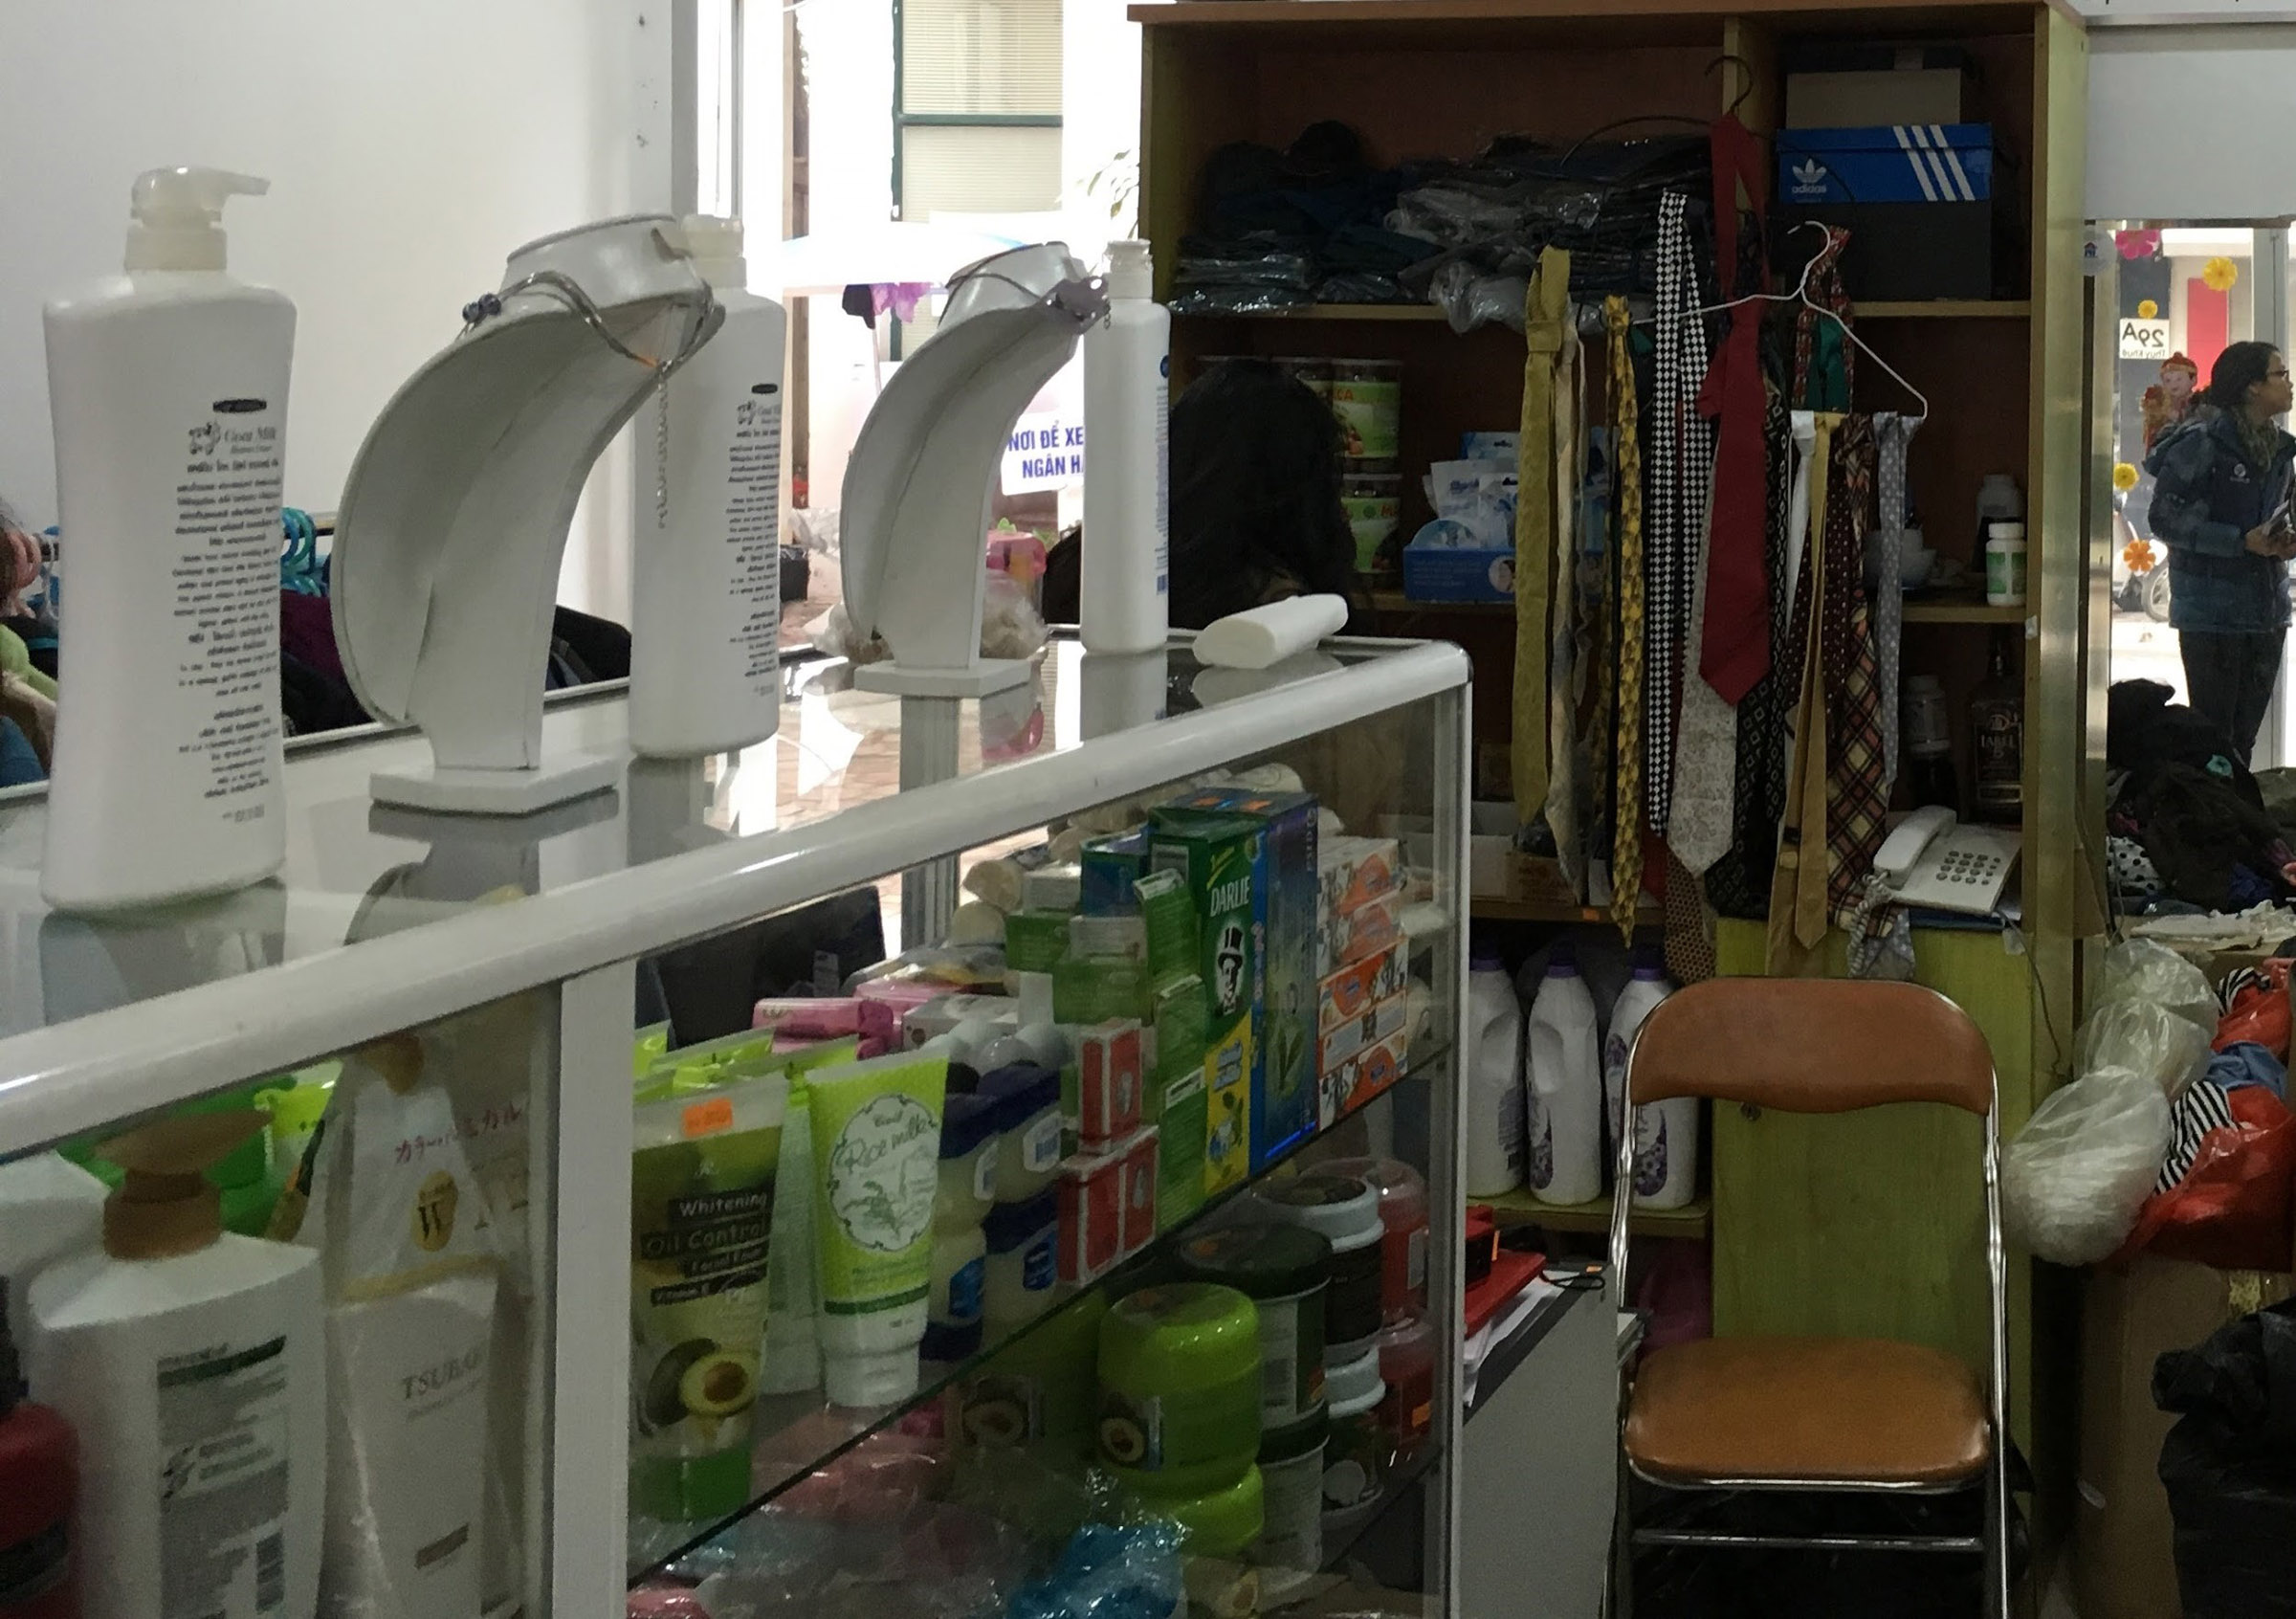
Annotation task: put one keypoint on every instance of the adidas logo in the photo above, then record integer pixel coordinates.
(1809, 178)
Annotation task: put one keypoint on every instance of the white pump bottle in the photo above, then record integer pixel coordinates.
(705, 648)
(1124, 596)
(169, 389)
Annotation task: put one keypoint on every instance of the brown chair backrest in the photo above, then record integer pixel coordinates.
(1812, 1045)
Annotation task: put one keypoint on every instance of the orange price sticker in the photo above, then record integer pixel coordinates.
(708, 1118)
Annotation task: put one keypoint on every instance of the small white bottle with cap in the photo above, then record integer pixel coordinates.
(169, 389)
(1124, 596)
(706, 589)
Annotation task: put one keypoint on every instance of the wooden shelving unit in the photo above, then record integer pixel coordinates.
(1484, 909)
(1963, 611)
(1948, 309)
(1694, 1219)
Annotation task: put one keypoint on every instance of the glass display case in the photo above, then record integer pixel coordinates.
(943, 1157)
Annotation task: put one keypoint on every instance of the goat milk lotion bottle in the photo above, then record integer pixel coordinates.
(169, 389)
(705, 657)
(1125, 596)
(191, 1364)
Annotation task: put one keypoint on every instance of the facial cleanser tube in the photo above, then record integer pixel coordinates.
(876, 1163)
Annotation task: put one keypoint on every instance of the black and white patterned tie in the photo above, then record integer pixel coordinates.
(1678, 457)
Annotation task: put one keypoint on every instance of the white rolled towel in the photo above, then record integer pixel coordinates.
(1267, 634)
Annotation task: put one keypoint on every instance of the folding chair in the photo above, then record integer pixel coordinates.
(1818, 1414)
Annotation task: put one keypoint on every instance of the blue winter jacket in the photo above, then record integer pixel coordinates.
(2207, 495)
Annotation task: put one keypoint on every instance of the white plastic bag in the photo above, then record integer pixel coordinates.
(2166, 1048)
(2075, 1177)
(2145, 969)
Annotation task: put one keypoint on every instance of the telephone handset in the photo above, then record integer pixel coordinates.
(1931, 860)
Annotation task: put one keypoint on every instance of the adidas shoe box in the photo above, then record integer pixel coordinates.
(1916, 198)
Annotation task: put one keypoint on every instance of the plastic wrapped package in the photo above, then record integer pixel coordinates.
(1111, 1571)
(2229, 1466)
(2078, 1172)
(2145, 969)
(2165, 1046)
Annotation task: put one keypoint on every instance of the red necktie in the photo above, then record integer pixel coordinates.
(1735, 650)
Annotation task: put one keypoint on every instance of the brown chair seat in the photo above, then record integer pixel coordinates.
(1821, 1410)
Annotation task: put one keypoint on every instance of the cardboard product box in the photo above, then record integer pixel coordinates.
(944, 1012)
(1382, 1022)
(1351, 936)
(1106, 871)
(1458, 574)
(1490, 829)
(1916, 199)
(1108, 1069)
(1175, 1101)
(1136, 1226)
(1364, 1076)
(1356, 871)
(1228, 1108)
(1356, 989)
(1289, 912)
(1092, 1214)
(1832, 86)
(2124, 1565)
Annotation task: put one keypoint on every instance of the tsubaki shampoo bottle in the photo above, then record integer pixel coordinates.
(169, 389)
(190, 1363)
(705, 669)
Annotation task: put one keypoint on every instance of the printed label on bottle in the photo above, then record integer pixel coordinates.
(1132, 1431)
(985, 1173)
(1515, 1108)
(1039, 1262)
(223, 1479)
(1650, 1151)
(1000, 1410)
(753, 529)
(1538, 1133)
(966, 1283)
(224, 573)
(1281, 1399)
(1040, 1145)
(1163, 478)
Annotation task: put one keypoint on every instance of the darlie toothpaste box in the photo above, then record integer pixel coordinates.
(1285, 916)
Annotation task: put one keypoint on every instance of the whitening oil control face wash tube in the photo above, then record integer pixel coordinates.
(169, 389)
(876, 1164)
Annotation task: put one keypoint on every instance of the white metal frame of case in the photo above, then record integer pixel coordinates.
(582, 941)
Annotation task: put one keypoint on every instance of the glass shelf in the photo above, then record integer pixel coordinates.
(801, 1434)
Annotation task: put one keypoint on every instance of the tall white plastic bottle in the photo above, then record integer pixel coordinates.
(1124, 597)
(705, 649)
(1494, 1080)
(1563, 1108)
(1665, 1134)
(169, 389)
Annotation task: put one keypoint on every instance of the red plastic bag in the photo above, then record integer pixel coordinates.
(2260, 1009)
(2232, 1209)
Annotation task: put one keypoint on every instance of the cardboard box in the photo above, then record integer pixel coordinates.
(1458, 574)
(1228, 1108)
(1356, 871)
(1356, 989)
(1092, 1214)
(1137, 1225)
(2124, 1566)
(1490, 829)
(1351, 936)
(1364, 1076)
(1108, 1070)
(1831, 84)
(1382, 1022)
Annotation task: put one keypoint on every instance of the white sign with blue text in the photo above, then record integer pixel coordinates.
(1045, 452)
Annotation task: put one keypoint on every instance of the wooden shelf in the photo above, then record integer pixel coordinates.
(1696, 1219)
(1948, 309)
(1483, 908)
(1963, 611)
(1416, 313)
(1476, 21)
(1396, 601)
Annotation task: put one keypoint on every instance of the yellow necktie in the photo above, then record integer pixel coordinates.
(1626, 845)
(1546, 317)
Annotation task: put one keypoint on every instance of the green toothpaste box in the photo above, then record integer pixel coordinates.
(1219, 858)
(1287, 916)
(1175, 1101)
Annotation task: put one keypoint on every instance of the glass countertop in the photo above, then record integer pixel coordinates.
(356, 870)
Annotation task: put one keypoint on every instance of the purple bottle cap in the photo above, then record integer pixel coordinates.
(1564, 961)
(1649, 963)
(1484, 960)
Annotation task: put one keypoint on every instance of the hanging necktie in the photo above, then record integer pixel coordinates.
(1893, 435)
(1566, 746)
(1798, 884)
(1546, 313)
(1857, 782)
(1706, 748)
(1681, 452)
(1627, 830)
(1733, 650)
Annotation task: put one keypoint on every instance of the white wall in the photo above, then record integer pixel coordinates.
(410, 146)
(2192, 123)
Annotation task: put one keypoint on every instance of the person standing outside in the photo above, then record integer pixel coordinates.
(2221, 502)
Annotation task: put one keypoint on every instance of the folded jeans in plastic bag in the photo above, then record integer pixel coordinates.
(2229, 1466)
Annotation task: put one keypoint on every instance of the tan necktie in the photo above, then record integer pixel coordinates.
(1546, 316)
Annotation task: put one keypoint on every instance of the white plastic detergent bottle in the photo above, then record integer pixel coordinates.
(1494, 1084)
(1564, 1112)
(1665, 1134)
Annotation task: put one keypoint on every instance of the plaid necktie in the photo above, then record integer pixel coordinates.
(1857, 779)
(1681, 460)
(1893, 435)
(1626, 831)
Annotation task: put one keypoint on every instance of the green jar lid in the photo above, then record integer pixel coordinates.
(294, 1110)
(1181, 1338)
(1266, 1260)
(249, 1164)
(1301, 1438)
(1219, 1522)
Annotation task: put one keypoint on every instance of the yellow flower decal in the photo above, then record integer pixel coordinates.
(2138, 555)
(2148, 310)
(2220, 274)
(2123, 476)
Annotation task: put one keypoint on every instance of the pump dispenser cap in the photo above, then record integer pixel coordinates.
(165, 1205)
(1131, 270)
(176, 216)
(715, 244)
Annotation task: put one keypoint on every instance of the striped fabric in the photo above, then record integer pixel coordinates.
(2203, 1107)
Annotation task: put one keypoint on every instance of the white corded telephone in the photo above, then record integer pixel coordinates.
(1931, 860)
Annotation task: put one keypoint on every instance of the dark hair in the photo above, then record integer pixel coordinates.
(2240, 365)
(1254, 499)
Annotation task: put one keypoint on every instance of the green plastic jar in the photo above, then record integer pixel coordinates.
(1180, 1389)
(1284, 1269)
(1222, 1522)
